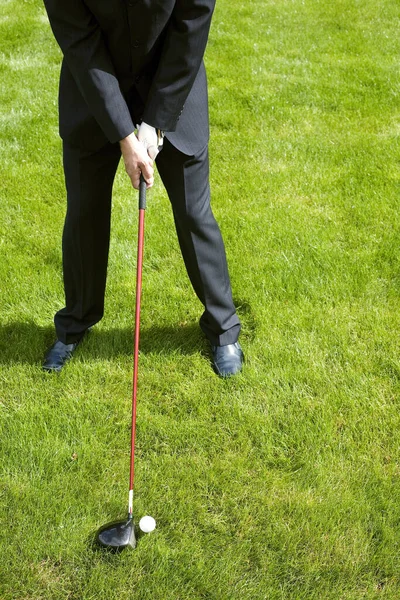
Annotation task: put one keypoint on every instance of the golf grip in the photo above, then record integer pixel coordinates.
(139, 268)
(142, 193)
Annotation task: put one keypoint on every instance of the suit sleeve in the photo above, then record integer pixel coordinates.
(87, 57)
(182, 54)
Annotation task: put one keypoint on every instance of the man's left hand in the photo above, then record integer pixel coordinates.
(151, 139)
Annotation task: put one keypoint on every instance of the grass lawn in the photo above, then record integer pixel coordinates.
(284, 482)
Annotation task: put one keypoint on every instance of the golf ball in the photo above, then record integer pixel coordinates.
(147, 524)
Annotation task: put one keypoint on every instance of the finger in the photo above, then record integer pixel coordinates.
(148, 172)
(149, 181)
(134, 176)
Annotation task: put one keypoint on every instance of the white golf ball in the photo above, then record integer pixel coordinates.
(147, 524)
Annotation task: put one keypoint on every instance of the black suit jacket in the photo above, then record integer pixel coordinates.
(126, 60)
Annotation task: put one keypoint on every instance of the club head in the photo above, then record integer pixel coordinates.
(117, 535)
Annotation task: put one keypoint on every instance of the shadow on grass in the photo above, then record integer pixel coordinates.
(247, 317)
(28, 342)
(183, 339)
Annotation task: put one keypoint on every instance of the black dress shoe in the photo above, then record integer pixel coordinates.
(58, 355)
(227, 360)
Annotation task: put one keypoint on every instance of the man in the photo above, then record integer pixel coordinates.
(129, 62)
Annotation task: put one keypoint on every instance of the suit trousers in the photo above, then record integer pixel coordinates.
(89, 178)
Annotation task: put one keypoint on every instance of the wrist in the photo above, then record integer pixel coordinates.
(129, 141)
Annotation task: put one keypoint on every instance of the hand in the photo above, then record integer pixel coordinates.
(137, 161)
(149, 137)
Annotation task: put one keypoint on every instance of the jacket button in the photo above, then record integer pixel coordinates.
(136, 44)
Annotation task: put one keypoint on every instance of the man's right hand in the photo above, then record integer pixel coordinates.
(137, 161)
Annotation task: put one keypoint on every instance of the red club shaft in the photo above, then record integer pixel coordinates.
(139, 269)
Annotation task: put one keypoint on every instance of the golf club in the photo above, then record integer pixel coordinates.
(121, 534)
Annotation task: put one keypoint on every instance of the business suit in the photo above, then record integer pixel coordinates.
(127, 61)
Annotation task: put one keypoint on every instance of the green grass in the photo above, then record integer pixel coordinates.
(283, 483)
